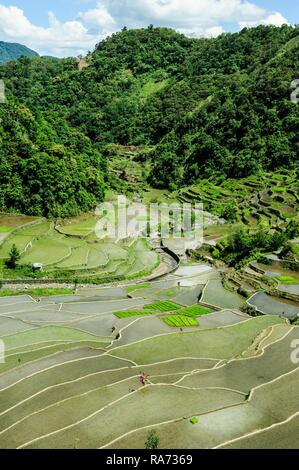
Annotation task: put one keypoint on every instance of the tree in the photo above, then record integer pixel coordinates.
(197, 107)
(14, 256)
(152, 441)
(293, 229)
(230, 212)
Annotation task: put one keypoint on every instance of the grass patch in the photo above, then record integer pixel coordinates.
(145, 285)
(81, 225)
(132, 313)
(287, 280)
(46, 250)
(295, 248)
(151, 87)
(163, 306)
(170, 292)
(279, 189)
(180, 321)
(195, 311)
(14, 221)
(21, 241)
(36, 293)
(79, 257)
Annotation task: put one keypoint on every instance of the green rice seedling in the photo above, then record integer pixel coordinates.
(179, 321)
(133, 313)
(195, 311)
(288, 279)
(163, 306)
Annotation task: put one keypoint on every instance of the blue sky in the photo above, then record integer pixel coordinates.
(71, 27)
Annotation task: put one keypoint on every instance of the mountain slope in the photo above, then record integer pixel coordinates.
(212, 108)
(13, 51)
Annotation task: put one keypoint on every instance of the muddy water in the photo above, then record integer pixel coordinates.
(274, 305)
(291, 289)
(276, 269)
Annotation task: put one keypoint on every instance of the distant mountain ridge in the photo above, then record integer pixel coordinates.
(13, 51)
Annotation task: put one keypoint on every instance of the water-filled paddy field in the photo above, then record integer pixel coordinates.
(74, 363)
(274, 305)
(72, 373)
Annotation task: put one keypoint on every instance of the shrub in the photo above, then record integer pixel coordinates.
(230, 212)
(242, 245)
(194, 420)
(152, 441)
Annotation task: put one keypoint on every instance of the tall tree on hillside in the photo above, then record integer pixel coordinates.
(14, 257)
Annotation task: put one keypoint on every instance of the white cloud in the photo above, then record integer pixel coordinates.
(214, 31)
(98, 16)
(192, 17)
(275, 19)
(196, 31)
(202, 14)
(58, 38)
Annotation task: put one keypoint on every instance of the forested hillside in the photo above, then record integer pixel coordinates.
(196, 107)
(13, 51)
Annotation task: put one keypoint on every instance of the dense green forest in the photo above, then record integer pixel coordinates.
(212, 108)
(13, 51)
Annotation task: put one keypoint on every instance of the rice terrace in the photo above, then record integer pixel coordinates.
(149, 229)
(84, 357)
